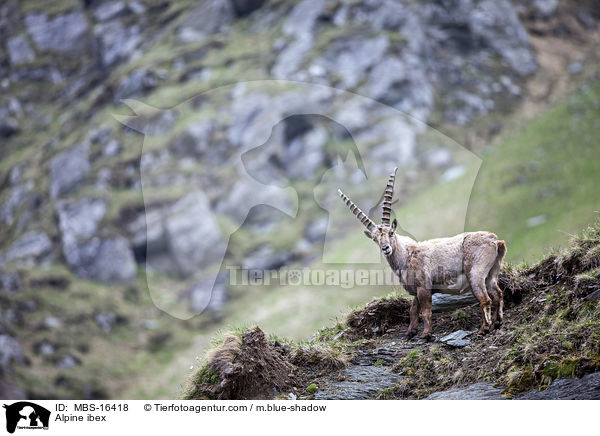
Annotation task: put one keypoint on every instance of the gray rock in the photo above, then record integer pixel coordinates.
(109, 10)
(19, 50)
(303, 17)
(10, 352)
(30, 248)
(545, 8)
(67, 362)
(105, 260)
(584, 388)
(243, 197)
(290, 59)
(265, 258)
(117, 42)
(198, 141)
(351, 58)
(594, 296)
(496, 22)
(315, 230)
(209, 296)
(586, 18)
(78, 221)
(139, 82)
(112, 148)
(575, 68)
(10, 281)
(464, 106)
(359, 383)
(9, 127)
(18, 196)
(67, 33)
(402, 84)
(448, 302)
(52, 322)
(68, 169)
(477, 391)
(46, 349)
(106, 321)
(305, 154)
(457, 338)
(209, 17)
(192, 233)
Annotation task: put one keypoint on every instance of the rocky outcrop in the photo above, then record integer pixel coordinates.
(67, 33)
(68, 169)
(104, 259)
(31, 248)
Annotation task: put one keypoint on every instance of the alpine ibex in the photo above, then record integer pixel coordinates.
(470, 260)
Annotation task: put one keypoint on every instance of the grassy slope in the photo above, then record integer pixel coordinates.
(549, 166)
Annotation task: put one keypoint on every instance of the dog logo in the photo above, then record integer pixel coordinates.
(26, 415)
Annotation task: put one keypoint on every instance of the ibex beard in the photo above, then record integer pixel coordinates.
(454, 265)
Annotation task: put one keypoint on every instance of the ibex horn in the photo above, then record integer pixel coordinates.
(367, 222)
(387, 199)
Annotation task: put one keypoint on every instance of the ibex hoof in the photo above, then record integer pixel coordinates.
(426, 337)
(484, 330)
(410, 334)
(497, 324)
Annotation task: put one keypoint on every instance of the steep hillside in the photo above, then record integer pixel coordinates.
(551, 331)
(136, 137)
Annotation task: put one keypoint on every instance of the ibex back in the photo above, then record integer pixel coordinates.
(470, 260)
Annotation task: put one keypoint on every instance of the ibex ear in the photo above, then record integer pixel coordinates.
(369, 234)
(394, 225)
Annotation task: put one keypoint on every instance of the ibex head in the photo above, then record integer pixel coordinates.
(382, 234)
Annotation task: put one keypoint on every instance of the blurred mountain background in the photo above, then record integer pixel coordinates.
(100, 98)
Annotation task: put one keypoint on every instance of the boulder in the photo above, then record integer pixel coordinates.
(107, 260)
(78, 221)
(192, 234)
(209, 17)
(496, 22)
(198, 140)
(302, 19)
(68, 169)
(350, 58)
(19, 50)
(67, 33)
(17, 197)
(243, 197)
(402, 85)
(30, 248)
(137, 83)
(117, 42)
(10, 352)
(448, 302)
(10, 281)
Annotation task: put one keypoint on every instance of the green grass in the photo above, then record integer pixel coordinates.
(550, 167)
(547, 167)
